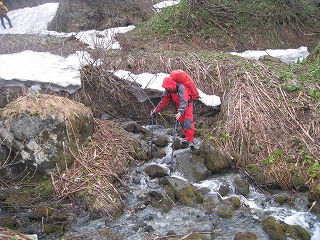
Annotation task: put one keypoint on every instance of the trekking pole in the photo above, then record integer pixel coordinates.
(173, 141)
(152, 127)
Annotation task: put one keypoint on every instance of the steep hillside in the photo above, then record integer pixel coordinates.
(231, 26)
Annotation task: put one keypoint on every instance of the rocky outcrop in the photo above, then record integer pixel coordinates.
(78, 15)
(40, 133)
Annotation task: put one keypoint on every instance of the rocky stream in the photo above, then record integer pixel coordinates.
(192, 203)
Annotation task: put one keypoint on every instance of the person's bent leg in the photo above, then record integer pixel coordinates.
(188, 124)
(2, 22)
(9, 21)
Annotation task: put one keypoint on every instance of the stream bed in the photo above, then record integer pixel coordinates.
(143, 220)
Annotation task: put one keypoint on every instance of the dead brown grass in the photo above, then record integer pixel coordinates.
(62, 46)
(43, 105)
(102, 162)
(261, 123)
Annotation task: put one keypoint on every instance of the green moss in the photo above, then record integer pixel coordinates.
(225, 212)
(296, 232)
(257, 172)
(297, 180)
(273, 229)
(42, 211)
(235, 202)
(7, 222)
(53, 229)
(186, 195)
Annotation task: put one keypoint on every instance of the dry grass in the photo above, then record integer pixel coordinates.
(55, 45)
(261, 123)
(104, 160)
(44, 105)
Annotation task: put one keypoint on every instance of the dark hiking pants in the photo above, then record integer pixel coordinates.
(2, 20)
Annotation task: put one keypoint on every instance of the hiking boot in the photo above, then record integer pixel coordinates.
(184, 142)
(188, 144)
(192, 145)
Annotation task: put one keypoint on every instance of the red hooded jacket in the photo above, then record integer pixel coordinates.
(179, 94)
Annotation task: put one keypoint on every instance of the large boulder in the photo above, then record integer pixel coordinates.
(214, 160)
(77, 15)
(39, 133)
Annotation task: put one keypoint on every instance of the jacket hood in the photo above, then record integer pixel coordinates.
(168, 82)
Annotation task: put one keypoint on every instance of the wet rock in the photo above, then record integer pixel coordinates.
(262, 176)
(148, 228)
(161, 141)
(53, 229)
(159, 154)
(192, 166)
(283, 199)
(213, 159)
(228, 207)
(139, 152)
(224, 190)
(233, 202)
(296, 232)
(241, 187)
(155, 171)
(209, 204)
(268, 58)
(224, 211)
(179, 190)
(273, 229)
(245, 236)
(282, 230)
(42, 132)
(134, 127)
(41, 211)
(201, 194)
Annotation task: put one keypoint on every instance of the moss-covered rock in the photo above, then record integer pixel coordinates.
(53, 229)
(282, 230)
(225, 211)
(179, 190)
(41, 211)
(210, 203)
(273, 229)
(245, 236)
(42, 132)
(241, 187)
(256, 172)
(295, 232)
(214, 160)
(155, 171)
(8, 222)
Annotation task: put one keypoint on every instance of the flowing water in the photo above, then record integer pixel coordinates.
(142, 221)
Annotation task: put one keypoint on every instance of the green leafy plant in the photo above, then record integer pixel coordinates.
(275, 156)
(314, 170)
(223, 136)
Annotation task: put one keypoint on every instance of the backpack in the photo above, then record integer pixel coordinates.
(182, 77)
(3, 9)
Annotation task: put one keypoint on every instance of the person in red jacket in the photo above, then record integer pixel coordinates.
(3, 14)
(181, 96)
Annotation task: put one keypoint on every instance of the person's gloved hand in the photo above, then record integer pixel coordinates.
(178, 115)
